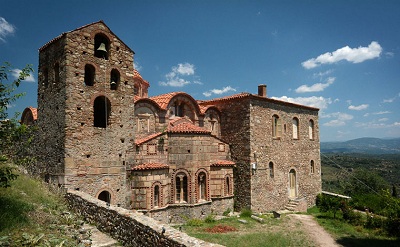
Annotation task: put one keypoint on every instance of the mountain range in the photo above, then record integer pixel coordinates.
(366, 145)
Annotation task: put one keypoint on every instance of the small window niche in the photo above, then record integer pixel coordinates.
(101, 46)
(114, 79)
(45, 77)
(89, 74)
(56, 72)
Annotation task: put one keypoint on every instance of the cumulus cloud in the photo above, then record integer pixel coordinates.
(314, 101)
(354, 55)
(219, 91)
(15, 73)
(174, 78)
(5, 29)
(318, 87)
(338, 119)
(358, 107)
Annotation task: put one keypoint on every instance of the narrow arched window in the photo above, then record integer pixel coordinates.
(105, 196)
(181, 191)
(102, 110)
(271, 169)
(276, 126)
(114, 79)
(312, 167)
(56, 72)
(156, 196)
(101, 46)
(45, 77)
(227, 186)
(89, 74)
(311, 129)
(202, 189)
(295, 128)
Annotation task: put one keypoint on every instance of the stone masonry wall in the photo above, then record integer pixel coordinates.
(286, 153)
(129, 227)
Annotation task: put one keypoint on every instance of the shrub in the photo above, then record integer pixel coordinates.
(246, 212)
(210, 219)
(374, 222)
(226, 212)
(393, 226)
(194, 222)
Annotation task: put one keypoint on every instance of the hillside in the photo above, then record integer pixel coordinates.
(364, 145)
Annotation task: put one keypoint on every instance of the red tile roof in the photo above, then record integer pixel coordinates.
(147, 138)
(223, 163)
(176, 126)
(138, 76)
(163, 100)
(150, 166)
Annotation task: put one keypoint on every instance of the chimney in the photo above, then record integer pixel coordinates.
(262, 90)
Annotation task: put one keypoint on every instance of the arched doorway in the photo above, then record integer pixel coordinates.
(105, 196)
(292, 184)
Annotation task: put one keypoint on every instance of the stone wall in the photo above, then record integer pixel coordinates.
(129, 227)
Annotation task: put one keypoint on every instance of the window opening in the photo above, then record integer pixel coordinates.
(181, 188)
(156, 196)
(311, 129)
(105, 196)
(89, 75)
(202, 186)
(271, 170)
(102, 111)
(227, 186)
(277, 127)
(101, 46)
(312, 167)
(295, 128)
(114, 79)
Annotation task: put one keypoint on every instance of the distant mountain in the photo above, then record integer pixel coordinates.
(363, 145)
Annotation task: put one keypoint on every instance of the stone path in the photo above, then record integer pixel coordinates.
(100, 239)
(315, 231)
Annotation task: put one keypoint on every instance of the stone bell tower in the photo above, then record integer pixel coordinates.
(85, 112)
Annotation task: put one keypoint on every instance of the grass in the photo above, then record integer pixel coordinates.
(273, 232)
(30, 215)
(350, 235)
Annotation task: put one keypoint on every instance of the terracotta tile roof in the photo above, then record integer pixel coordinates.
(185, 127)
(223, 163)
(149, 166)
(147, 138)
(234, 96)
(163, 100)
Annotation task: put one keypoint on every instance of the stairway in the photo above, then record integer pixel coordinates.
(292, 205)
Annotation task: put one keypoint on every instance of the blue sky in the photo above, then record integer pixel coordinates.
(340, 56)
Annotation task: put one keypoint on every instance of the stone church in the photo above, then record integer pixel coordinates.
(169, 156)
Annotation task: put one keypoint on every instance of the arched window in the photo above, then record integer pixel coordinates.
(179, 109)
(102, 110)
(295, 128)
(271, 169)
(181, 191)
(311, 129)
(101, 46)
(114, 79)
(56, 72)
(312, 167)
(156, 196)
(202, 186)
(105, 196)
(89, 74)
(227, 186)
(276, 126)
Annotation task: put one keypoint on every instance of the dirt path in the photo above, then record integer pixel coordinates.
(315, 231)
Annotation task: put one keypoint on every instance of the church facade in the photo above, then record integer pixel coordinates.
(167, 155)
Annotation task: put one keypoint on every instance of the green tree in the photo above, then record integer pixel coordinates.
(9, 129)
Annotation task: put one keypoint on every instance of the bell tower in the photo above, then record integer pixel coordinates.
(85, 112)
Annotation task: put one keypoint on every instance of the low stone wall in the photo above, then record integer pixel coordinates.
(127, 226)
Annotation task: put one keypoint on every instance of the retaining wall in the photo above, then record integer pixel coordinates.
(127, 226)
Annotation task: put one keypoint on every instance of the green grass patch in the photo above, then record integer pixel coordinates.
(30, 215)
(273, 232)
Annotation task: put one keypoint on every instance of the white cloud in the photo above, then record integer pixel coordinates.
(359, 107)
(314, 101)
(339, 119)
(322, 74)
(174, 78)
(219, 91)
(381, 112)
(15, 73)
(137, 66)
(383, 119)
(318, 87)
(354, 55)
(5, 29)
(391, 100)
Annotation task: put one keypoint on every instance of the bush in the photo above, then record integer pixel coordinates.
(226, 212)
(194, 222)
(246, 213)
(393, 226)
(374, 222)
(210, 219)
